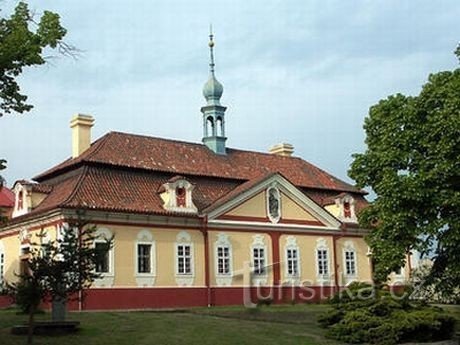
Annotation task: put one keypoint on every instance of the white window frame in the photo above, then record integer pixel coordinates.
(258, 243)
(143, 279)
(106, 280)
(291, 244)
(183, 238)
(222, 279)
(323, 278)
(349, 247)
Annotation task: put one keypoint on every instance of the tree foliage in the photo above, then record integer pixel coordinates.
(22, 44)
(412, 163)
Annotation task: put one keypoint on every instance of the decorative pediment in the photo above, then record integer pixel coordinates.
(273, 201)
(177, 195)
(343, 208)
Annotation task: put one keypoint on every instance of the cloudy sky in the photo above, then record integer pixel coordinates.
(303, 72)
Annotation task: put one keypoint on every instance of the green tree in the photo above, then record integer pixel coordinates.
(59, 270)
(23, 41)
(412, 163)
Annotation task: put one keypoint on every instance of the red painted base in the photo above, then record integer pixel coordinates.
(151, 298)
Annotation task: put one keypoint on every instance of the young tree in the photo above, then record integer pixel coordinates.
(57, 270)
(412, 163)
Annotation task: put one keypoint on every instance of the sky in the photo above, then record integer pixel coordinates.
(302, 72)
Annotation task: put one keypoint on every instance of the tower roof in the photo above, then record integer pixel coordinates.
(212, 90)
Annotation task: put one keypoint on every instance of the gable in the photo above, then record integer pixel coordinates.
(252, 206)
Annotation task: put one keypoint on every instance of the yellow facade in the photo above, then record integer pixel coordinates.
(292, 211)
(254, 207)
(241, 246)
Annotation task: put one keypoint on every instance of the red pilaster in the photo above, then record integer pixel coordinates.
(204, 230)
(336, 264)
(275, 237)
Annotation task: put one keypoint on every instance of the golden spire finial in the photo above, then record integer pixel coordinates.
(211, 46)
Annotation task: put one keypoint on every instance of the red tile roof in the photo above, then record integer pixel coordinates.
(124, 172)
(6, 197)
(122, 190)
(184, 158)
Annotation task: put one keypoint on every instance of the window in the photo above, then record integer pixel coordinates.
(20, 200)
(180, 197)
(292, 259)
(346, 209)
(258, 255)
(103, 257)
(223, 260)
(177, 195)
(323, 268)
(184, 259)
(144, 258)
(350, 263)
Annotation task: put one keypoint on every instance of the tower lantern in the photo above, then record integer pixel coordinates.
(213, 112)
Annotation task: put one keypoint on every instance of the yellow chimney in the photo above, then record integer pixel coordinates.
(81, 133)
(282, 149)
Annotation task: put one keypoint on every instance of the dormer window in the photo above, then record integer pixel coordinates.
(20, 200)
(177, 195)
(22, 203)
(180, 197)
(346, 208)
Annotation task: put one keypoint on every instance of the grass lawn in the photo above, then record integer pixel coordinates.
(220, 325)
(278, 324)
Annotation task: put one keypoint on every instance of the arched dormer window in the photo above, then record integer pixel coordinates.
(180, 197)
(346, 205)
(177, 195)
(20, 200)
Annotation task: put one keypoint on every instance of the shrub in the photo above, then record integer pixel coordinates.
(384, 320)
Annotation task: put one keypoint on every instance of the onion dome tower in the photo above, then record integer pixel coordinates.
(213, 112)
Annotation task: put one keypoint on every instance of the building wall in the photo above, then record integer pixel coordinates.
(241, 247)
(123, 289)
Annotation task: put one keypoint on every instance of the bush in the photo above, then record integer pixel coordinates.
(384, 320)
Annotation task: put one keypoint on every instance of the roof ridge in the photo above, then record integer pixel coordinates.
(197, 144)
(77, 185)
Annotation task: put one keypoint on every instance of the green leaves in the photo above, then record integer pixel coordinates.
(22, 43)
(412, 162)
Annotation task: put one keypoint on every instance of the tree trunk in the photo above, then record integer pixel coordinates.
(30, 331)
